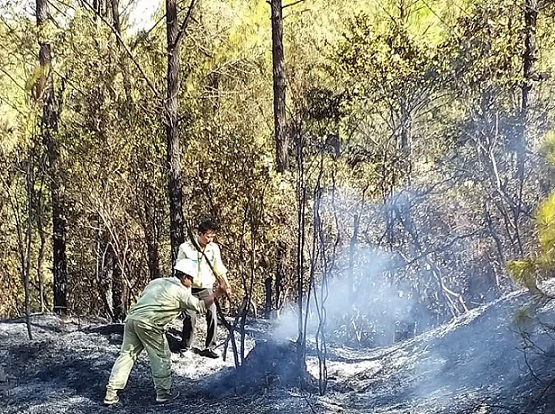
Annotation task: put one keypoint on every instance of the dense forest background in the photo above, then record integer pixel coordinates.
(390, 161)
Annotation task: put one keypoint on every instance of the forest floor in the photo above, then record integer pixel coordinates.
(479, 363)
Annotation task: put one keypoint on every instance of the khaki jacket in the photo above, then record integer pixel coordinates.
(206, 278)
(162, 300)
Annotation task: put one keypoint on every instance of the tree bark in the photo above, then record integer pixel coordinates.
(49, 124)
(268, 297)
(278, 64)
(151, 234)
(529, 57)
(175, 184)
(26, 265)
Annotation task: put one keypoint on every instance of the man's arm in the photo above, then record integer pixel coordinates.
(220, 271)
(188, 301)
(209, 301)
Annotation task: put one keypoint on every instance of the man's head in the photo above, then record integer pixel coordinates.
(207, 231)
(186, 270)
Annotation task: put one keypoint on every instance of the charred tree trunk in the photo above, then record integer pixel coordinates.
(172, 133)
(38, 212)
(268, 297)
(49, 124)
(151, 235)
(279, 283)
(119, 293)
(278, 65)
(26, 264)
(529, 57)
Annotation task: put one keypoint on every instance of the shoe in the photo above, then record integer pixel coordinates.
(209, 353)
(111, 397)
(165, 397)
(184, 349)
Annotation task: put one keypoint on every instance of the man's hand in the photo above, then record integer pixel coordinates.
(226, 289)
(216, 293)
(220, 291)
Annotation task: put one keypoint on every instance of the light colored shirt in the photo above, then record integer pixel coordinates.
(162, 300)
(205, 278)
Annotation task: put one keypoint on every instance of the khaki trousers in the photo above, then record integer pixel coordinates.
(137, 336)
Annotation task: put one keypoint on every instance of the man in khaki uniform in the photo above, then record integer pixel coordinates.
(206, 254)
(161, 301)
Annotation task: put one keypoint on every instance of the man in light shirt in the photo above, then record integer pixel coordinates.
(161, 301)
(206, 254)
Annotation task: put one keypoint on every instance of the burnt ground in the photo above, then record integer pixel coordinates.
(478, 364)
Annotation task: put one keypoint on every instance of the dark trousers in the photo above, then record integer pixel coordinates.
(190, 318)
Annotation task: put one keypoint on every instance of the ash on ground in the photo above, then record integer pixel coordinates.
(479, 363)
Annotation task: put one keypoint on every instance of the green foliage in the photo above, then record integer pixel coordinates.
(419, 94)
(487, 49)
(545, 219)
(529, 272)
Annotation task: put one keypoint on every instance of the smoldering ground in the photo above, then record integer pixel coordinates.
(476, 364)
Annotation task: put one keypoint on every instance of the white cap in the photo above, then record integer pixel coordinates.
(187, 266)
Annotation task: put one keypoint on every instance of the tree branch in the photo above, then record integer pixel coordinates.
(126, 48)
(292, 4)
(183, 27)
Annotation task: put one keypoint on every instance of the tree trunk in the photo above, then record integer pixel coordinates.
(49, 125)
(278, 64)
(406, 138)
(151, 235)
(529, 57)
(26, 264)
(268, 297)
(172, 134)
(38, 199)
(352, 255)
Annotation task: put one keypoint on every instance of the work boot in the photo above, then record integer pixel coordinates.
(166, 396)
(209, 353)
(111, 397)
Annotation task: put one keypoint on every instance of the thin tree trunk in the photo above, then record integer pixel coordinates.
(406, 137)
(278, 64)
(27, 264)
(127, 87)
(352, 254)
(38, 198)
(268, 297)
(529, 57)
(172, 134)
(49, 125)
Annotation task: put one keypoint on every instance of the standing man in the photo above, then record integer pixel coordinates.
(206, 254)
(161, 301)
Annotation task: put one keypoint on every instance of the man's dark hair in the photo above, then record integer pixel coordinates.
(206, 225)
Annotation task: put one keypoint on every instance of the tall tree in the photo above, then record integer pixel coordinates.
(48, 128)
(175, 185)
(278, 65)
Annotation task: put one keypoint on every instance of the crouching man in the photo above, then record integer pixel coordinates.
(161, 301)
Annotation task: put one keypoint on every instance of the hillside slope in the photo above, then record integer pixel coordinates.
(477, 364)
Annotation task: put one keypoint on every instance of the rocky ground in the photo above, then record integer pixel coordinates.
(480, 363)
